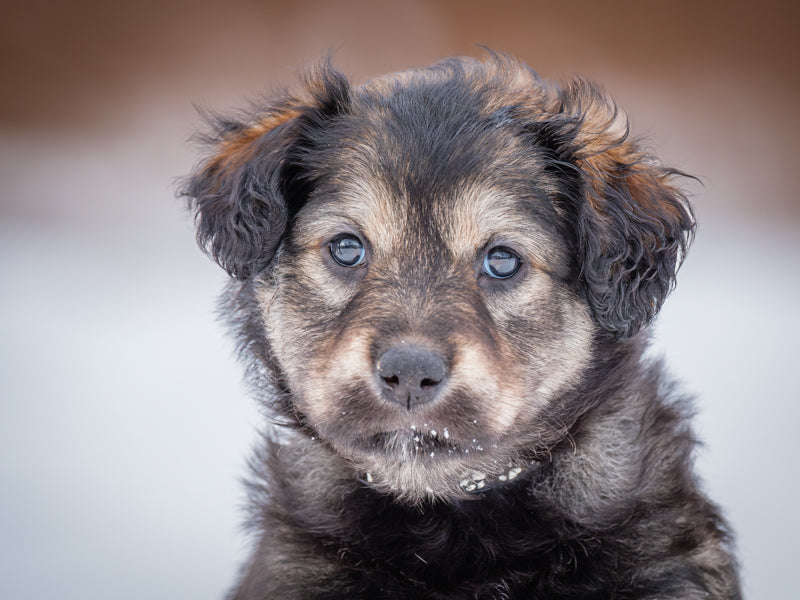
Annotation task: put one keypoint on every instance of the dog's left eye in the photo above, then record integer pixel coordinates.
(347, 250)
(501, 263)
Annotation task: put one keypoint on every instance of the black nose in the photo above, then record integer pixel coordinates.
(411, 375)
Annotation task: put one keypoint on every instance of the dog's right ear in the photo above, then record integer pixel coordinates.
(245, 192)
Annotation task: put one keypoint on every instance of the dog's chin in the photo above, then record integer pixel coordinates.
(416, 466)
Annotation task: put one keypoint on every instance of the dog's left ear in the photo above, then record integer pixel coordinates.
(244, 194)
(632, 226)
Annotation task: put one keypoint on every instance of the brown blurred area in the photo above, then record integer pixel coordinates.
(725, 74)
(70, 64)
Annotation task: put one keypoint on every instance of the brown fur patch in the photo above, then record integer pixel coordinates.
(238, 148)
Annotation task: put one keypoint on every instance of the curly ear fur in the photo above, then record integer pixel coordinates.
(245, 192)
(632, 226)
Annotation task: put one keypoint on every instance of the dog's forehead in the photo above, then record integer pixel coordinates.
(437, 164)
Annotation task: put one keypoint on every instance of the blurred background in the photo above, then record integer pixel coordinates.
(124, 427)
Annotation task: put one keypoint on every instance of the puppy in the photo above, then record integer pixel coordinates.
(441, 286)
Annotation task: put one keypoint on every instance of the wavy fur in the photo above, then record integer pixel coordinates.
(556, 462)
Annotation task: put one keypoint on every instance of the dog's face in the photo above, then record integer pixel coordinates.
(435, 257)
(423, 324)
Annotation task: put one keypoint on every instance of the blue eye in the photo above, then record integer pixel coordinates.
(347, 250)
(501, 263)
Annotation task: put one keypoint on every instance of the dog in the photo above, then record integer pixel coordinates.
(441, 286)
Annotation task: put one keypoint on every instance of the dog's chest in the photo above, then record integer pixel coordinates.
(503, 540)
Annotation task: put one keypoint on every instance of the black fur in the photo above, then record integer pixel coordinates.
(606, 504)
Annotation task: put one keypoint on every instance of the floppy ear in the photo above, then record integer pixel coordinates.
(633, 227)
(245, 192)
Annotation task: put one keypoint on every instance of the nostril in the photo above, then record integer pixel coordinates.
(427, 383)
(392, 381)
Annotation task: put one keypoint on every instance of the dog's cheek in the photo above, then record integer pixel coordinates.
(301, 305)
(550, 329)
(568, 351)
(493, 379)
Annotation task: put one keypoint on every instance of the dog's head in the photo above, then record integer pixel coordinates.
(437, 254)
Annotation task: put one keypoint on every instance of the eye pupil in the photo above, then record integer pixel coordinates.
(501, 263)
(348, 251)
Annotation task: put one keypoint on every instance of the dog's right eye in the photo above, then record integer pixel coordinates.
(347, 250)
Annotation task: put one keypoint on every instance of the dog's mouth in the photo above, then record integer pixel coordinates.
(413, 442)
(432, 463)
